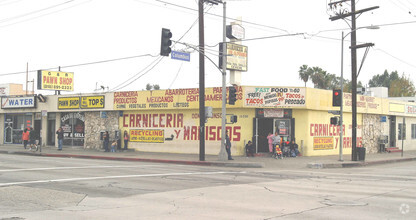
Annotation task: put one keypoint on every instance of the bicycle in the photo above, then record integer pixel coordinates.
(34, 145)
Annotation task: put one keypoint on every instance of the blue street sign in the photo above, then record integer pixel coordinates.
(180, 56)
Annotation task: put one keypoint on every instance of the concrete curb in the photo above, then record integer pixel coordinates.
(318, 165)
(183, 162)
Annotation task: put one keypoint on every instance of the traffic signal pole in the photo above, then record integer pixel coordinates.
(223, 155)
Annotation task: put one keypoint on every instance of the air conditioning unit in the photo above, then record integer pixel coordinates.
(361, 90)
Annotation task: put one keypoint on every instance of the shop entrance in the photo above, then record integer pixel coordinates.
(392, 131)
(262, 126)
(38, 126)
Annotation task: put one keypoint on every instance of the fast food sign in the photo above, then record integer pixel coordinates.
(274, 97)
(54, 80)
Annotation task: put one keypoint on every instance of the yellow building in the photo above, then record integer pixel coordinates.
(168, 120)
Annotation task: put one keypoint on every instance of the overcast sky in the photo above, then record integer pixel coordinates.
(68, 33)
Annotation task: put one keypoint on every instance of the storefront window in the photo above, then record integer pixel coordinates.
(73, 125)
(14, 124)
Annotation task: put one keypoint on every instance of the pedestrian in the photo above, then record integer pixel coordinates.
(25, 137)
(250, 149)
(114, 146)
(294, 149)
(33, 139)
(106, 138)
(276, 140)
(228, 146)
(126, 139)
(270, 141)
(60, 135)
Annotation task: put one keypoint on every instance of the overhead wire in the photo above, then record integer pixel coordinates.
(82, 64)
(130, 80)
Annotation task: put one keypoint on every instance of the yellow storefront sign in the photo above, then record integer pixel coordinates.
(68, 103)
(147, 135)
(170, 99)
(92, 102)
(53, 80)
(323, 143)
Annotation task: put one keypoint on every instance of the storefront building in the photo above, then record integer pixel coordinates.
(168, 120)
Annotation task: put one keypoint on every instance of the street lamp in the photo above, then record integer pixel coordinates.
(372, 27)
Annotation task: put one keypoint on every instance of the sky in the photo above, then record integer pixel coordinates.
(116, 44)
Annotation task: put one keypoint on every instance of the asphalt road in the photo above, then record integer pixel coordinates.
(65, 188)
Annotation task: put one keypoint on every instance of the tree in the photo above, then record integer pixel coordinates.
(383, 80)
(305, 73)
(154, 87)
(348, 85)
(320, 78)
(398, 86)
(402, 87)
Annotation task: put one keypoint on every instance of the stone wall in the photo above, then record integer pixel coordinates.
(94, 124)
(372, 130)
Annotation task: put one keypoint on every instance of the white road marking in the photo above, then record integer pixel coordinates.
(339, 174)
(67, 168)
(116, 177)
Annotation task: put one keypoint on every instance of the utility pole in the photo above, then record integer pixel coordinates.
(341, 14)
(201, 82)
(354, 82)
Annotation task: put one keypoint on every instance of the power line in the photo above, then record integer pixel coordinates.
(82, 64)
(247, 22)
(32, 18)
(121, 86)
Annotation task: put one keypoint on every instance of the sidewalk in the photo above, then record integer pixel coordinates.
(317, 162)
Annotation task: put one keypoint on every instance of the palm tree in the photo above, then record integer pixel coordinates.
(305, 73)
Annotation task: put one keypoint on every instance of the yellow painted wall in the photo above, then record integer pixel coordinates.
(185, 130)
(321, 138)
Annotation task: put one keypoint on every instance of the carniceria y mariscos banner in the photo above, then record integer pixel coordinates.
(274, 97)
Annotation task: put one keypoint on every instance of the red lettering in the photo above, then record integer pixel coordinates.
(161, 116)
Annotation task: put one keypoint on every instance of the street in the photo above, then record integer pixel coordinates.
(33, 187)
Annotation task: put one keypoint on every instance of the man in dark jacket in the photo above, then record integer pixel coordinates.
(60, 135)
(33, 137)
(228, 146)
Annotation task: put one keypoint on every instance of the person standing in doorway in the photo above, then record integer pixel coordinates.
(228, 146)
(60, 135)
(126, 140)
(106, 138)
(25, 137)
(270, 141)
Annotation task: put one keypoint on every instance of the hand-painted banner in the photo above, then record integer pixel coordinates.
(274, 97)
(147, 136)
(323, 143)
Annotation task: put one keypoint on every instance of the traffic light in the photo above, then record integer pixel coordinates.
(165, 42)
(334, 121)
(336, 97)
(232, 96)
(233, 119)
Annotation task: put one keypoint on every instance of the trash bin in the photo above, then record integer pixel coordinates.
(361, 153)
(382, 148)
